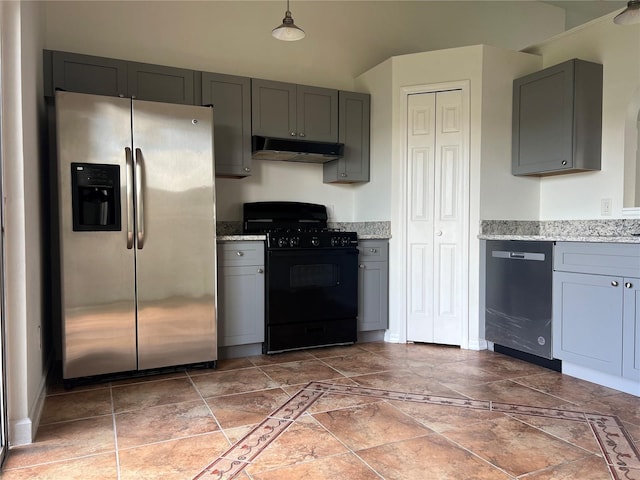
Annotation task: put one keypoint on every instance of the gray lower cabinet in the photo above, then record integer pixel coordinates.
(631, 330)
(373, 285)
(596, 307)
(231, 99)
(588, 320)
(74, 72)
(287, 110)
(557, 119)
(240, 293)
(354, 131)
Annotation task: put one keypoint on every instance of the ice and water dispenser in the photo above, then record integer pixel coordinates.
(95, 197)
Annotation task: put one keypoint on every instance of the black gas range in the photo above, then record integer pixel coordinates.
(311, 276)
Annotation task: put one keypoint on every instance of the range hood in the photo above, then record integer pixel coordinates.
(285, 149)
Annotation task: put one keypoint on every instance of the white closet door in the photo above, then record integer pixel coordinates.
(435, 217)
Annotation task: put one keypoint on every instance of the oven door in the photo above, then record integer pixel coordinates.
(311, 285)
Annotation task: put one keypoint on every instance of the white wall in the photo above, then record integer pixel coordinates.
(22, 109)
(344, 39)
(503, 196)
(577, 196)
(493, 192)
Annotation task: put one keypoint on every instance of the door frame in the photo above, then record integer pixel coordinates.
(4, 428)
(400, 200)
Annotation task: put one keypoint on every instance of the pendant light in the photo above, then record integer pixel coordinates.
(289, 31)
(629, 15)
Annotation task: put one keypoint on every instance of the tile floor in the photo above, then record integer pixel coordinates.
(367, 411)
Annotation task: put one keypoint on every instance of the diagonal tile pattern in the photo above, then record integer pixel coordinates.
(367, 411)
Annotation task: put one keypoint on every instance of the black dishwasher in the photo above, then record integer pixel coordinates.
(518, 295)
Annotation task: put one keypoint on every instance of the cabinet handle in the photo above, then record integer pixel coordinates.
(260, 270)
(247, 169)
(293, 134)
(361, 266)
(373, 250)
(564, 162)
(301, 134)
(240, 254)
(343, 174)
(628, 285)
(439, 233)
(614, 283)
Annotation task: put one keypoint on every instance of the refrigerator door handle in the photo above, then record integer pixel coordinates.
(129, 165)
(139, 200)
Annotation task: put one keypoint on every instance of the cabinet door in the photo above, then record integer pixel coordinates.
(273, 111)
(88, 74)
(231, 100)
(631, 332)
(240, 305)
(160, 84)
(543, 121)
(354, 128)
(557, 119)
(373, 286)
(317, 114)
(587, 320)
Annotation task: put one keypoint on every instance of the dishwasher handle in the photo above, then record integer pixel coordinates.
(539, 257)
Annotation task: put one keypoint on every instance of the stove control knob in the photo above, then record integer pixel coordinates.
(282, 242)
(345, 241)
(335, 241)
(294, 241)
(315, 241)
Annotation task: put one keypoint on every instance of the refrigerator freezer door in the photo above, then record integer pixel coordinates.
(98, 306)
(175, 262)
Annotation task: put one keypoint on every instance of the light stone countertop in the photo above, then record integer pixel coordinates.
(240, 238)
(601, 231)
(230, 231)
(565, 238)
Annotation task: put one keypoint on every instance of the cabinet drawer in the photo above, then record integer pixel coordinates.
(241, 253)
(373, 250)
(619, 259)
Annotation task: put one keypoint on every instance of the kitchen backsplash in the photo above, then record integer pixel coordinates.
(617, 227)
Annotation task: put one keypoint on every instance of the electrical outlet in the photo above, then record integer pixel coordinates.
(605, 207)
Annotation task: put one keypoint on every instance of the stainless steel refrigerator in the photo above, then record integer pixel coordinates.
(137, 234)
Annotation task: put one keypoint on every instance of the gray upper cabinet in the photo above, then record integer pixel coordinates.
(557, 119)
(84, 74)
(286, 110)
(231, 100)
(354, 131)
(74, 72)
(160, 84)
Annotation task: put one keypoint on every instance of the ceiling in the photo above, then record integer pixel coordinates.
(580, 11)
